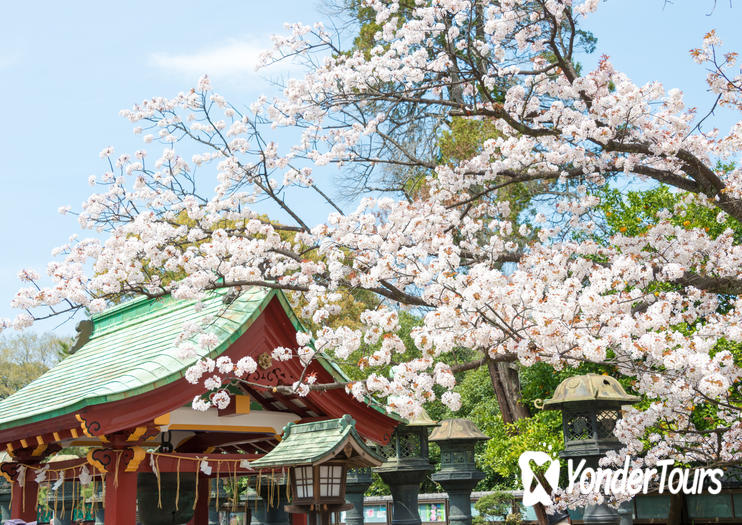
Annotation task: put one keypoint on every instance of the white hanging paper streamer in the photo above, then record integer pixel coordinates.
(153, 465)
(41, 474)
(59, 481)
(205, 467)
(22, 476)
(85, 477)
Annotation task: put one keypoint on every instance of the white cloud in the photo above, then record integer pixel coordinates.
(237, 57)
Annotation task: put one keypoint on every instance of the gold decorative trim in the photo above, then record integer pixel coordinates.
(162, 420)
(137, 433)
(97, 464)
(83, 425)
(139, 455)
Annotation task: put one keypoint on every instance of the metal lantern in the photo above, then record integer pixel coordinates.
(408, 446)
(591, 406)
(458, 474)
(357, 482)
(405, 466)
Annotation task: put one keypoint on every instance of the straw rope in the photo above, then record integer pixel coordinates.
(195, 500)
(116, 473)
(177, 489)
(74, 500)
(235, 489)
(159, 487)
(77, 493)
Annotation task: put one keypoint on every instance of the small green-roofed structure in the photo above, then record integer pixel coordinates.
(318, 442)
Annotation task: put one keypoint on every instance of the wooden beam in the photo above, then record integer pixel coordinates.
(237, 405)
(203, 440)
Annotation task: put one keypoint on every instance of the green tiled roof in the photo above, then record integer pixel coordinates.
(316, 442)
(130, 352)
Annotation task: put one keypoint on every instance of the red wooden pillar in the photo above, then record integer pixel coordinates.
(23, 504)
(201, 514)
(121, 498)
(299, 519)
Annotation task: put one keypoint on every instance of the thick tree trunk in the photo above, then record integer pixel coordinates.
(506, 383)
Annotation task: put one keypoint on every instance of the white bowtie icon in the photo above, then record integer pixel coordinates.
(537, 494)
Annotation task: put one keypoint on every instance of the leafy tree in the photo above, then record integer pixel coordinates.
(496, 508)
(25, 357)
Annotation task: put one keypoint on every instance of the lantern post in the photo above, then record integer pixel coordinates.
(591, 406)
(406, 465)
(358, 482)
(458, 474)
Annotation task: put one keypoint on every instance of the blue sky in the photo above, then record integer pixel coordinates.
(66, 70)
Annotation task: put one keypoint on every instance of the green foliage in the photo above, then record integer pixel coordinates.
(25, 357)
(368, 27)
(508, 441)
(463, 139)
(514, 519)
(352, 366)
(586, 40)
(494, 508)
(632, 213)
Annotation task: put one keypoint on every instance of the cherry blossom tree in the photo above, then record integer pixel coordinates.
(660, 307)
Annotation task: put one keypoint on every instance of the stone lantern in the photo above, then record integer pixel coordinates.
(358, 480)
(458, 474)
(591, 406)
(405, 466)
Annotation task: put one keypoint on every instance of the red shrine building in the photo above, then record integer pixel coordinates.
(122, 396)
